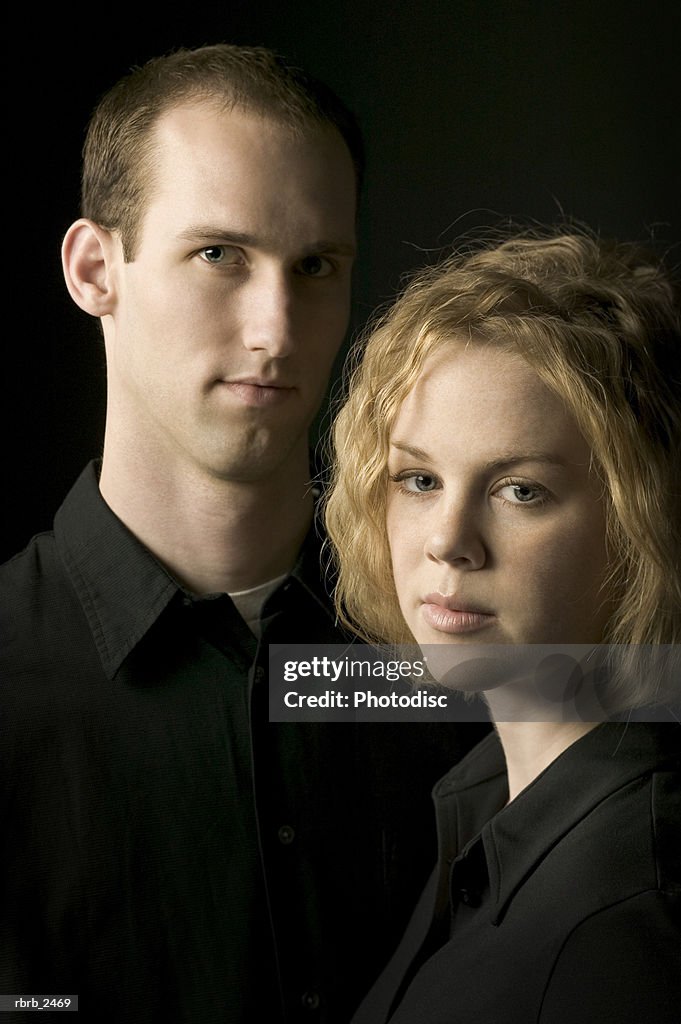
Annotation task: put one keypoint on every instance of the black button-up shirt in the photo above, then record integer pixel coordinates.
(562, 907)
(167, 853)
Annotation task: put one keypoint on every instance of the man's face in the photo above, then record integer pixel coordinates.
(228, 319)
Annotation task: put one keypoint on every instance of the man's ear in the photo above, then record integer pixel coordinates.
(88, 253)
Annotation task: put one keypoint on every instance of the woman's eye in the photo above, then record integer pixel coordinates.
(522, 494)
(316, 266)
(214, 254)
(417, 483)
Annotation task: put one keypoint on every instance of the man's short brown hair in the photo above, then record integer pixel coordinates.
(117, 155)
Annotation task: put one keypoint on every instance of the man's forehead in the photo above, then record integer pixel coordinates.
(214, 118)
(218, 172)
(185, 112)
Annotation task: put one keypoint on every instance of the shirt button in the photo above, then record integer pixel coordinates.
(286, 835)
(471, 899)
(310, 1000)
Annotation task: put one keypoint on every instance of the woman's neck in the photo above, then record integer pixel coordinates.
(530, 747)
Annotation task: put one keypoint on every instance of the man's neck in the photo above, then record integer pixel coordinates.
(212, 535)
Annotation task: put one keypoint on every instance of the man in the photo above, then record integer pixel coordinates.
(170, 855)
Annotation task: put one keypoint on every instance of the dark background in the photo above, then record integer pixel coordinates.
(474, 111)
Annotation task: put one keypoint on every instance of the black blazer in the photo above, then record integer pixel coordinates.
(167, 853)
(564, 907)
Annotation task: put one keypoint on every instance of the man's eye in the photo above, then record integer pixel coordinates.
(225, 254)
(316, 266)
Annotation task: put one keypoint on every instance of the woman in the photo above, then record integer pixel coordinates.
(507, 472)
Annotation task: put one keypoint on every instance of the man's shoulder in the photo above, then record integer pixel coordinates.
(43, 627)
(37, 602)
(40, 563)
(25, 575)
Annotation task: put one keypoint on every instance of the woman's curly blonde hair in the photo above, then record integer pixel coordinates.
(599, 321)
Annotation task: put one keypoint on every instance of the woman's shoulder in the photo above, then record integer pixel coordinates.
(620, 963)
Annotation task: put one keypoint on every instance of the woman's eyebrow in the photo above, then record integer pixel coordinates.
(506, 459)
(410, 449)
(502, 461)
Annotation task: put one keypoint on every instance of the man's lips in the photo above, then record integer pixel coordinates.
(447, 613)
(258, 391)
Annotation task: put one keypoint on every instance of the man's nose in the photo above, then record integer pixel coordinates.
(268, 313)
(455, 536)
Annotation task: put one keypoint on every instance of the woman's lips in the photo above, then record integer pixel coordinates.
(447, 615)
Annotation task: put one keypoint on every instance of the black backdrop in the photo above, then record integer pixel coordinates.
(474, 111)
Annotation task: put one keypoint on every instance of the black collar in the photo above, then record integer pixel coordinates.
(122, 587)
(518, 837)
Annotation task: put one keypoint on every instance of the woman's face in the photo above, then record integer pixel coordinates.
(495, 520)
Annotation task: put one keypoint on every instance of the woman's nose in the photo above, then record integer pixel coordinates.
(455, 537)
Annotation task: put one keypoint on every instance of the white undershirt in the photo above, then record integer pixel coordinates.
(250, 603)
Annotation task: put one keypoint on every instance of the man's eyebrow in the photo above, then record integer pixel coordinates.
(212, 233)
(227, 236)
(333, 248)
(502, 461)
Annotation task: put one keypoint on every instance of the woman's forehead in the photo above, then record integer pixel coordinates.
(485, 400)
